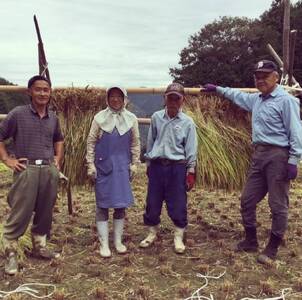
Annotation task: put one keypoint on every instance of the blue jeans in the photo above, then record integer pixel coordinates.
(166, 183)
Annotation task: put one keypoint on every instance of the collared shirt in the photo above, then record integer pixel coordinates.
(33, 137)
(173, 139)
(275, 118)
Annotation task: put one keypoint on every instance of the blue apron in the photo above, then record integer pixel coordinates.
(112, 161)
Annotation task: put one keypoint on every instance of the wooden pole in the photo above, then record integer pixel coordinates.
(275, 55)
(133, 90)
(43, 66)
(278, 60)
(292, 45)
(286, 31)
(12, 89)
(69, 199)
(142, 121)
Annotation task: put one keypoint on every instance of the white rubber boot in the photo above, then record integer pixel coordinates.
(118, 226)
(178, 240)
(103, 232)
(151, 237)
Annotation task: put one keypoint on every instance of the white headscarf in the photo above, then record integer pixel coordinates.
(122, 119)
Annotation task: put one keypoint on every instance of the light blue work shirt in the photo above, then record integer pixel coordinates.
(275, 118)
(172, 138)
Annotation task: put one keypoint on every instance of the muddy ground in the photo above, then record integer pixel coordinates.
(158, 273)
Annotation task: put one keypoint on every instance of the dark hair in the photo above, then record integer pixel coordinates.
(32, 80)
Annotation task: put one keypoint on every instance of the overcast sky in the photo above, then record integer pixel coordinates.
(105, 42)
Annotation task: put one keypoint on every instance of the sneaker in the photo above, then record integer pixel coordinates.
(11, 265)
(150, 239)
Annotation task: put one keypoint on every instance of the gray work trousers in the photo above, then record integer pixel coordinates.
(267, 174)
(34, 190)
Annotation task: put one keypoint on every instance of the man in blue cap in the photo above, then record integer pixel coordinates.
(277, 141)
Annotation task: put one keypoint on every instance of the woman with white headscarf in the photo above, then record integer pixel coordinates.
(113, 150)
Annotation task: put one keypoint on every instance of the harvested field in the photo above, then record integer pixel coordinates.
(157, 272)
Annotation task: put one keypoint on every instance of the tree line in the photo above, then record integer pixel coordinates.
(224, 51)
(9, 100)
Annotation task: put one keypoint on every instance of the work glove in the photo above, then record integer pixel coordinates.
(91, 172)
(133, 171)
(190, 181)
(209, 87)
(292, 171)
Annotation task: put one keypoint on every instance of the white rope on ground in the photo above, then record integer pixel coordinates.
(284, 293)
(26, 289)
(196, 294)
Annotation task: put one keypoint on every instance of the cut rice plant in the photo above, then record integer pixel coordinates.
(222, 128)
(76, 109)
(223, 149)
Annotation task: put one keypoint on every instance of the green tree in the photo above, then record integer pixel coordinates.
(273, 20)
(10, 100)
(296, 23)
(224, 51)
(220, 52)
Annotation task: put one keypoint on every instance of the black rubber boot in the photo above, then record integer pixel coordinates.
(250, 243)
(270, 252)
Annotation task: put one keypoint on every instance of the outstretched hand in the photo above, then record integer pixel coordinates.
(209, 87)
